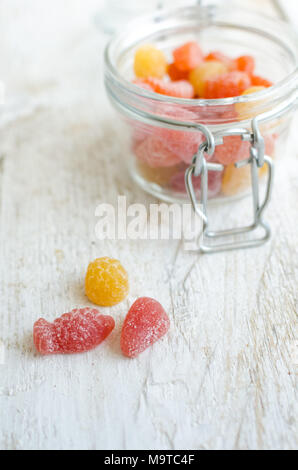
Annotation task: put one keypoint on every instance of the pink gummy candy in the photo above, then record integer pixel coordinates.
(154, 152)
(177, 183)
(145, 323)
(77, 331)
(183, 143)
(232, 150)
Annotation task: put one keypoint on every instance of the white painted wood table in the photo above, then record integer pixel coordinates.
(224, 377)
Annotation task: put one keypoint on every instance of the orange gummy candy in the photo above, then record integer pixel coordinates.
(228, 85)
(188, 56)
(260, 81)
(106, 282)
(245, 63)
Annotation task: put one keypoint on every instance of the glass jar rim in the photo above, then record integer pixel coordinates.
(280, 88)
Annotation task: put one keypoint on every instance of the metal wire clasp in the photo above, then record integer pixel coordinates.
(200, 166)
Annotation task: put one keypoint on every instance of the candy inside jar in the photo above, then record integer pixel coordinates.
(184, 70)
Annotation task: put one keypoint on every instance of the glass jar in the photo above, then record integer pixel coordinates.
(170, 129)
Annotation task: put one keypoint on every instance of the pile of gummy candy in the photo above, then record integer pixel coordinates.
(164, 154)
(106, 284)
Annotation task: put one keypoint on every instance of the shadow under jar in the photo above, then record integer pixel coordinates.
(169, 128)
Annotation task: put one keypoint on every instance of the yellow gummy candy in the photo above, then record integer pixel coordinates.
(150, 62)
(204, 72)
(235, 180)
(247, 110)
(106, 282)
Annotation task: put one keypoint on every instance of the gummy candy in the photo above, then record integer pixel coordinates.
(106, 282)
(74, 332)
(143, 84)
(245, 63)
(145, 323)
(155, 153)
(184, 144)
(203, 72)
(214, 183)
(176, 74)
(260, 81)
(235, 179)
(161, 175)
(232, 150)
(246, 110)
(178, 89)
(188, 56)
(149, 62)
(219, 57)
(227, 85)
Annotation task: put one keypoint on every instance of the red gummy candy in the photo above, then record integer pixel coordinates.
(188, 56)
(227, 85)
(232, 150)
(177, 183)
(245, 63)
(260, 81)
(176, 74)
(155, 153)
(178, 89)
(145, 323)
(184, 144)
(77, 331)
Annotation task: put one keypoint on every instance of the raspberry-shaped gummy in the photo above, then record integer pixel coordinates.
(145, 323)
(228, 85)
(74, 332)
(188, 56)
(106, 282)
(178, 89)
(176, 74)
(245, 63)
(232, 150)
(204, 72)
(155, 153)
(149, 62)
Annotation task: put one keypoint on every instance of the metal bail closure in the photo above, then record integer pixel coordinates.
(201, 167)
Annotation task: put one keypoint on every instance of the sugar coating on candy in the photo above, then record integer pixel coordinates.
(214, 183)
(176, 74)
(204, 72)
(142, 83)
(149, 62)
(260, 81)
(106, 282)
(178, 89)
(145, 323)
(155, 153)
(184, 144)
(188, 56)
(74, 332)
(232, 150)
(227, 85)
(245, 63)
(219, 57)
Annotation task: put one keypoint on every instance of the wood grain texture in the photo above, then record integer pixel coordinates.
(224, 377)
